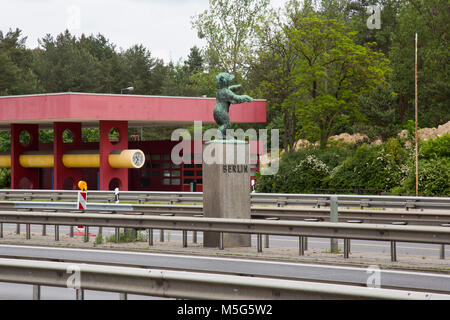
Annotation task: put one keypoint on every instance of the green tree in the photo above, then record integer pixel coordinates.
(111, 66)
(188, 79)
(229, 26)
(332, 72)
(312, 72)
(271, 75)
(145, 73)
(194, 62)
(63, 65)
(380, 112)
(429, 19)
(16, 75)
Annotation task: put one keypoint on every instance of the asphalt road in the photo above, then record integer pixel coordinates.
(420, 281)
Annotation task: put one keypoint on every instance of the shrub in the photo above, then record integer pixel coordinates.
(309, 174)
(302, 176)
(369, 168)
(5, 178)
(435, 148)
(434, 178)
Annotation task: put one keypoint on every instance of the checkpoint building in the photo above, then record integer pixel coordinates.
(115, 160)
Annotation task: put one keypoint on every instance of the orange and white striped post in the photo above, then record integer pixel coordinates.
(82, 200)
(82, 195)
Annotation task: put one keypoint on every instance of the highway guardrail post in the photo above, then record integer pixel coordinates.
(334, 217)
(442, 249)
(28, 231)
(393, 243)
(347, 241)
(301, 245)
(117, 234)
(18, 228)
(1, 229)
(184, 238)
(36, 292)
(56, 232)
(346, 248)
(150, 237)
(79, 294)
(194, 233)
(86, 234)
(393, 251)
(161, 231)
(267, 235)
(44, 229)
(259, 242)
(221, 242)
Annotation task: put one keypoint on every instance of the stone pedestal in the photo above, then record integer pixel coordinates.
(226, 188)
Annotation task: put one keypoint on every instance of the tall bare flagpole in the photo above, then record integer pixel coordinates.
(417, 153)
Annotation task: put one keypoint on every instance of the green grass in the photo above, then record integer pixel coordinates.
(126, 237)
(329, 251)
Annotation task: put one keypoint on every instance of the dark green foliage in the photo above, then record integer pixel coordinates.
(429, 19)
(64, 65)
(389, 167)
(302, 171)
(368, 168)
(5, 146)
(435, 148)
(194, 62)
(16, 75)
(380, 110)
(434, 178)
(5, 178)
(5, 141)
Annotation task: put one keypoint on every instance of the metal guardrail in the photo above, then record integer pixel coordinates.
(316, 200)
(431, 217)
(346, 231)
(186, 285)
(321, 200)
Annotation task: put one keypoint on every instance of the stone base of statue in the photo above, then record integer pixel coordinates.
(226, 188)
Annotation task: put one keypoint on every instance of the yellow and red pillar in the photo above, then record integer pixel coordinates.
(111, 178)
(23, 178)
(63, 177)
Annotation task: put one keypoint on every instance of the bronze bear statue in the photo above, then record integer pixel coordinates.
(224, 97)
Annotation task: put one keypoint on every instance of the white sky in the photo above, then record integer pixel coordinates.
(162, 26)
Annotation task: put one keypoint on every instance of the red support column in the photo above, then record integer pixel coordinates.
(65, 178)
(111, 178)
(23, 178)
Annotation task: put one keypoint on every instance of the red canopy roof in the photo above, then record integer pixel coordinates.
(89, 108)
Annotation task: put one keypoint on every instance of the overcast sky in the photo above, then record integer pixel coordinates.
(162, 26)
